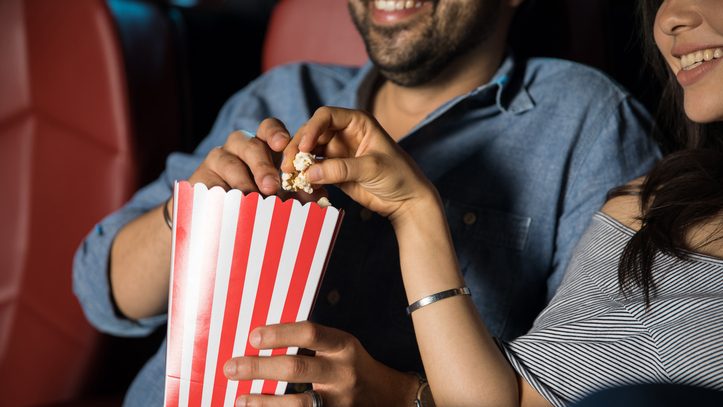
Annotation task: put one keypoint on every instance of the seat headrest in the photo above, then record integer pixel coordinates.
(312, 30)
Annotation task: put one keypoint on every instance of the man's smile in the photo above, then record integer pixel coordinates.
(394, 11)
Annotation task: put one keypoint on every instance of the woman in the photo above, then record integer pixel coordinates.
(643, 298)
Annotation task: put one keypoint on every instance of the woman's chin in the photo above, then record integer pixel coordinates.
(704, 111)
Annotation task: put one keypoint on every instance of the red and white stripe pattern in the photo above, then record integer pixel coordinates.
(238, 262)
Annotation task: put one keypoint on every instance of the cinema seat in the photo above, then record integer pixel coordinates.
(312, 30)
(66, 159)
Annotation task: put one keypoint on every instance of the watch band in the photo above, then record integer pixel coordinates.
(424, 394)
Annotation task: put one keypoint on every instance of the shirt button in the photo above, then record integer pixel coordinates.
(333, 297)
(365, 214)
(469, 218)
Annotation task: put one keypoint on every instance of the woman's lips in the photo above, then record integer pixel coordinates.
(691, 76)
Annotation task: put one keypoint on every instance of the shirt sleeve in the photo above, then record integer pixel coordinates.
(587, 339)
(586, 343)
(617, 150)
(519, 366)
(91, 282)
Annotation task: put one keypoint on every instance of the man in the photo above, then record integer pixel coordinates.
(522, 152)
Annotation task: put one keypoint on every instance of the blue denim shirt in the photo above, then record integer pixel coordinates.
(521, 164)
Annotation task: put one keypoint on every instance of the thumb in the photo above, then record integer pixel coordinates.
(341, 170)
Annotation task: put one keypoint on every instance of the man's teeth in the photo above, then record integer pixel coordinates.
(392, 5)
(694, 59)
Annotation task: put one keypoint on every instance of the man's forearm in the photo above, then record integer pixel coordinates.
(140, 265)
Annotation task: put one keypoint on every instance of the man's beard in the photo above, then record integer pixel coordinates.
(422, 58)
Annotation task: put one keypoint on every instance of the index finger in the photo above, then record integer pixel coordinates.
(326, 123)
(274, 133)
(299, 334)
(287, 156)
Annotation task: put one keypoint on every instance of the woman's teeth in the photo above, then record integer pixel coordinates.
(695, 59)
(392, 5)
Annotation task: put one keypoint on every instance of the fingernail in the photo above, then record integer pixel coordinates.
(242, 402)
(255, 339)
(269, 183)
(314, 173)
(229, 368)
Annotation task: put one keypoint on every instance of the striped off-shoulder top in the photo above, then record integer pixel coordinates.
(591, 336)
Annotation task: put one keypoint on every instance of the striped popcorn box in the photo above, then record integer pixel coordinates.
(238, 262)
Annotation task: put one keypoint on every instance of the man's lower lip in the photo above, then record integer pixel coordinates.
(390, 17)
(687, 78)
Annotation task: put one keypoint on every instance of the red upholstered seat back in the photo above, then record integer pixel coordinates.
(65, 161)
(312, 30)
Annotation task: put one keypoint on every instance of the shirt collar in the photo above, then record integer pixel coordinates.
(510, 95)
(356, 93)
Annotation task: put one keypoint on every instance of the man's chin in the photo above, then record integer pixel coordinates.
(408, 78)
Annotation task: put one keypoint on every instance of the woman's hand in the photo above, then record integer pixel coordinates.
(362, 159)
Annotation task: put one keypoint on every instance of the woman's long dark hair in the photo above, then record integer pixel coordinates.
(684, 190)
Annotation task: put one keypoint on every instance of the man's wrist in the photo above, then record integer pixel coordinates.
(408, 395)
(423, 395)
(167, 212)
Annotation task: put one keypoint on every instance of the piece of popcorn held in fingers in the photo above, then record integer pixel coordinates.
(297, 181)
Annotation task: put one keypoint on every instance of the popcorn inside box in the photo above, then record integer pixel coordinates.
(239, 261)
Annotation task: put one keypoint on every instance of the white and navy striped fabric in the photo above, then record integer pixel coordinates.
(591, 336)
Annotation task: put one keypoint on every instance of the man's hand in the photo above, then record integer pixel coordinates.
(341, 371)
(245, 162)
(140, 256)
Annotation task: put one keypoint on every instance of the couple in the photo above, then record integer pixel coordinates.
(640, 302)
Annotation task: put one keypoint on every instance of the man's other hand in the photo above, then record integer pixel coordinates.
(341, 371)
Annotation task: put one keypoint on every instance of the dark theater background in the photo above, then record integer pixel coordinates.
(95, 93)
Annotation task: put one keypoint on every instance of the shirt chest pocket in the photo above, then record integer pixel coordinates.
(474, 226)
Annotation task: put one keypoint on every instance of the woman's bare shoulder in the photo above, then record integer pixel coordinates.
(705, 238)
(625, 208)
